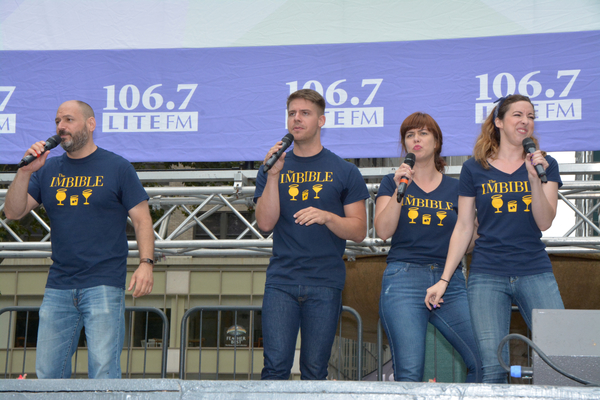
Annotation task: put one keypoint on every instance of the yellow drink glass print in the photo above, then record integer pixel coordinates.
(61, 195)
(74, 200)
(293, 191)
(441, 215)
(497, 202)
(305, 195)
(87, 193)
(527, 201)
(317, 188)
(512, 206)
(413, 214)
(426, 219)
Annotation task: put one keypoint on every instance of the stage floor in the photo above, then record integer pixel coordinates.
(173, 389)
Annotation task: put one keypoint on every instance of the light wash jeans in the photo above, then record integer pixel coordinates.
(490, 301)
(63, 313)
(314, 310)
(404, 317)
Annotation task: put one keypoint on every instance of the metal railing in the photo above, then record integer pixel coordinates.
(251, 340)
(10, 349)
(200, 202)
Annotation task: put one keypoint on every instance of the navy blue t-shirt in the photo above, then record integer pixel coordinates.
(509, 239)
(426, 221)
(87, 201)
(311, 255)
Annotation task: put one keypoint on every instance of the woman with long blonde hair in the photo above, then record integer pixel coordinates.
(513, 206)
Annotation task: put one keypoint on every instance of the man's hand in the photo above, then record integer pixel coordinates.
(36, 149)
(278, 166)
(142, 279)
(312, 215)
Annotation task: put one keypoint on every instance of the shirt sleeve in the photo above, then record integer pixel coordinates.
(553, 173)
(261, 180)
(387, 186)
(356, 188)
(466, 187)
(133, 192)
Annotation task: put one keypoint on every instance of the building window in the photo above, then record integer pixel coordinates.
(147, 328)
(244, 331)
(26, 328)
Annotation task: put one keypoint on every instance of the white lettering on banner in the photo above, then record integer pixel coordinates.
(335, 95)
(361, 117)
(129, 97)
(551, 110)
(8, 123)
(150, 122)
(10, 90)
(505, 83)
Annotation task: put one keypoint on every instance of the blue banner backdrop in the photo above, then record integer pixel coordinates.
(228, 104)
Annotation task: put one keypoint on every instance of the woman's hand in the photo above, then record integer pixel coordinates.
(433, 298)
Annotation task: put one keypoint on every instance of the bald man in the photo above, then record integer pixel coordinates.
(88, 192)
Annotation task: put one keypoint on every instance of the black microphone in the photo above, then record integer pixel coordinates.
(287, 141)
(50, 144)
(529, 146)
(410, 161)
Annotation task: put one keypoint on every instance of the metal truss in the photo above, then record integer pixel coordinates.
(232, 191)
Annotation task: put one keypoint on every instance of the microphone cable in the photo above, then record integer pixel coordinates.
(516, 371)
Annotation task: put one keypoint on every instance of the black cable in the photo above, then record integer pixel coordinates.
(542, 355)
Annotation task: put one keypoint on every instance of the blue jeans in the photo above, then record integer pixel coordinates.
(404, 317)
(63, 313)
(491, 298)
(314, 310)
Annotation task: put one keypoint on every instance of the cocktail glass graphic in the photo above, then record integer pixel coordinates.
(413, 214)
(61, 195)
(512, 206)
(87, 193)
(441, 215)
(317, 188)
(527, 201)
(497, 202)
(305, 195)
(74, 200)
(426, 219)
(293, 191)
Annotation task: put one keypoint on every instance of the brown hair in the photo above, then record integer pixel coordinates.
(420, 120)
(488, 141)
(310, 95)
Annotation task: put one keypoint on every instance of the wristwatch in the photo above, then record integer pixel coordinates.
(147, 260)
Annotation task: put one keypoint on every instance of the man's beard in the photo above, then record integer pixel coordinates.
(78, 141)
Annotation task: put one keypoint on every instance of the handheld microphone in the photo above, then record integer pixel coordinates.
(529, 146)
(287, 141)
(51, 143)
(410, 161)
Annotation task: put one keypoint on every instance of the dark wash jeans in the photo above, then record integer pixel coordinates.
(314, 310)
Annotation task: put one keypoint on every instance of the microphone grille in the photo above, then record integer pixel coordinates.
(410, 160)
(289, 138)
(54, 141)
(528, 143)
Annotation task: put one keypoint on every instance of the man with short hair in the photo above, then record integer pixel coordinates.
(88, 193)
(313, 201)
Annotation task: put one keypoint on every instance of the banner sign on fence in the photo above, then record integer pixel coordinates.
(229, 104)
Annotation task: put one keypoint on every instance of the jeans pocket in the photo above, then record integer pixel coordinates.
(395, 268)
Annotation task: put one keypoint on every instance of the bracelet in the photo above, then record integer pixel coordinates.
(442, 279)
(147, 260)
